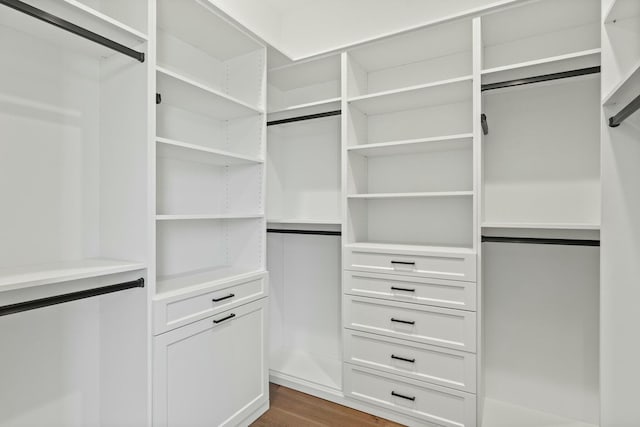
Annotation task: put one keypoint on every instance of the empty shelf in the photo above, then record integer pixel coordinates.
(503, 414)
(197, 153)
(411, 195)
(395, 247)
(63, 271)
(414, 97)
(330, 221)
(541, 226)
(411, 146)
(185, 282)
(190, 95)
(302, 109)
(182, 217)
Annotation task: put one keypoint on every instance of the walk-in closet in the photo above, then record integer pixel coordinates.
(337, 213)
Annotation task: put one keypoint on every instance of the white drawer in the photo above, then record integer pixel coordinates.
(437, 365)
(451, 265)
(441, 293)
(430, 325)
(440, 406)
(181, 309)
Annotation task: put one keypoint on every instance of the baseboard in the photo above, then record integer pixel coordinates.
(255, 415)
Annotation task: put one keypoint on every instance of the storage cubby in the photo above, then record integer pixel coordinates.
(431, 167)
(187, 187)
(307, 84)
(542, 155)
(416, 221)
(192, 252)
(542, 37)
(200, 46)
(418, 58)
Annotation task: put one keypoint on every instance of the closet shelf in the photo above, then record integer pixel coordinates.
(500, 413)
(541, 226)
(411, 195)
(622, 9)
(169, 286)
(197, 153)
(414, 97)
(185, 217)
(330, 221)
(554, 64)
(80, 15)
(626, 89)
(300, 109)
(410, 146)
(401, 248)
(63, 271)
(184, 92)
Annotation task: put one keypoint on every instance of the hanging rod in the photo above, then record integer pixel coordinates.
(541, 78)
(631, 108)
(313, 232)
(72, 28)
(540, 241)
(307, 117)
(73, 296)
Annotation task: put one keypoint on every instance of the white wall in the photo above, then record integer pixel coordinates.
(304, 28)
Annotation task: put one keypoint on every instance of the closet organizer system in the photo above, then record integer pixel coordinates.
(470, 218)
(132, 279)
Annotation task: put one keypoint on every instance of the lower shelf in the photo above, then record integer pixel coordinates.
(503, 414)
(323, 371)
(185, 282)
(62, 271)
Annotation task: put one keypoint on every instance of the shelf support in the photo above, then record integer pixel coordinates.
(72, 28)
(631, 108)
(73, 296)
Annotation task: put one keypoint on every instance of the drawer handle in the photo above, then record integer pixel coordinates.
(231, 316)
(402, 396)
(408, 322)
(223, 298)
(395, 288)
(404, 359)
(404, 262)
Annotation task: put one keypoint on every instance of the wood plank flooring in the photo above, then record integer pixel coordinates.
(290, 408)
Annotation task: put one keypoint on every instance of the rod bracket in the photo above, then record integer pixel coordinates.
(484, 123)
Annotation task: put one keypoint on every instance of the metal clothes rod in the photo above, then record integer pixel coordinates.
(72, 28)
(540, 241)
(313, 232)
(307, 117)
(631, 108)
(73, 296)
(541, 78)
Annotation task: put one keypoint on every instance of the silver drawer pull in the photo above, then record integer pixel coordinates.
(402, 396)
(404, 359)
(407, 322)
(395, 288)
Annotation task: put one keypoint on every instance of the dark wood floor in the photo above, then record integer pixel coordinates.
(290, 408)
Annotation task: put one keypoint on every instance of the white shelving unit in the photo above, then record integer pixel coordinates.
(73, 175)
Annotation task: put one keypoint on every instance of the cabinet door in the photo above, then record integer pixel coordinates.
(212, 372)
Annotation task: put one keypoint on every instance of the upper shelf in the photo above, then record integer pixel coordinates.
(555, 64)
(622, 9)
(411, 146)
(308, 108)
(627, 89)
(195, 22)
(63, 271)
(80, 15)
(197, 153)
(414, 97)
(188, 94)
(411, 195)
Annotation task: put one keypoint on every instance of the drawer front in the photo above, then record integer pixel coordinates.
(437, 365)
(178, 311)
(436, 292)
(434, 404)
(430, 325)
(438, 265)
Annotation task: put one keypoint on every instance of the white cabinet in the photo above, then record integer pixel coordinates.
(212, 372)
